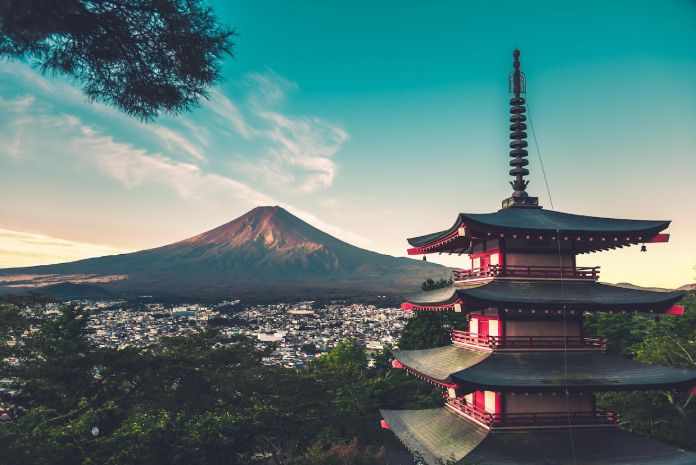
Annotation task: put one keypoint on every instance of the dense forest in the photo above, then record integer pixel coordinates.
(206, 400)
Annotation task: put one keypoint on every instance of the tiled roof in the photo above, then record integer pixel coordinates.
(439, 363)
(549, 221)
(438, 435)
(537, 371)
(584, 296)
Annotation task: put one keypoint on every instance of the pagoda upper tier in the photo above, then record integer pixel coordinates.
(469, 369)
(544, 297)
(439, 435)
(578, 233)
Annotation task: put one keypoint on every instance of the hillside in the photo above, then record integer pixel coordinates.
(268, 253)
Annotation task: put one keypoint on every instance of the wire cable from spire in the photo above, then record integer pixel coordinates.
(541, 161)
(565, 350)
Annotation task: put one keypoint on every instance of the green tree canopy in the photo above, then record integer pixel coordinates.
(666, 340)
(187, 400)
(144, 57)
(428, 329)
(430, 284)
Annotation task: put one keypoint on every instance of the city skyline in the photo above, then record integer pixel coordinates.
(371, 125)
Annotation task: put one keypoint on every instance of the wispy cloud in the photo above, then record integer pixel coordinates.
(131, 166)
(20, 248)
(225, 108)
(301, 146)
(61, 93)
(175, 141)
(307, 144)
(291, 151)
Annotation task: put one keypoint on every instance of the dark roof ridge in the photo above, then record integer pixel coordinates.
(540, 294)
(532, 219)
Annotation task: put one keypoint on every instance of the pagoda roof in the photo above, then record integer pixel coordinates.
(438, 364)
(540, 371)
(543, 295)
(438, 435)
(553, 370)
(540, 221)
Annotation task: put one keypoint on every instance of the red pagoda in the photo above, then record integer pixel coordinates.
(520, 382)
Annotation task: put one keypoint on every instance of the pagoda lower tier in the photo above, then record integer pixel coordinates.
(544, 297)
(439, 435)
(467, 370)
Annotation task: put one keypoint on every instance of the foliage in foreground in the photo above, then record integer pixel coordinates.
(341, 454)
(427, 329)
(141, 56)
(195, 400)
(190, 400)
(669, 340)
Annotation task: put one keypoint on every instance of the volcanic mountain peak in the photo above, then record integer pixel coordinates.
(274, 227)
(267, 251)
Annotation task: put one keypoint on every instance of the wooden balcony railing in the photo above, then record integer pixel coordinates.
(542, 272)
(597, 416)
(527, 342)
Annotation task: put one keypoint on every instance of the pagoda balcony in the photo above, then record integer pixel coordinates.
(596, 417)
(465, 338)
(590, 273)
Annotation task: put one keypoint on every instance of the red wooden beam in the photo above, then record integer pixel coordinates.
(436, 246)
(675, 310)
(662, 237)
(384, 424)
(436, 308)
(430, 380)
(397, 364)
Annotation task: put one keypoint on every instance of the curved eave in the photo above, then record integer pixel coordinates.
(450, 243)
(453, 366)
(550, 221)
(545, 296)
(436, 365)
(591, 446)
(590, 234)
(438, 435)
(439, 299)
(579, 296)
(421, 241)
(514, 372)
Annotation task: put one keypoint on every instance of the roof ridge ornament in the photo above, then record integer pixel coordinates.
(517, 85)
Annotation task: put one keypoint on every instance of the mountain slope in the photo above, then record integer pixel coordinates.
(267, 251)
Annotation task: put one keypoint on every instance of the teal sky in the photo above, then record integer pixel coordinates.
(374, 121)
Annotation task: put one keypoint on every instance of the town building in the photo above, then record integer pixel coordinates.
(520, 381)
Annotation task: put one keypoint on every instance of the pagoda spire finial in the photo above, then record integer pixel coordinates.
(517, 86)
